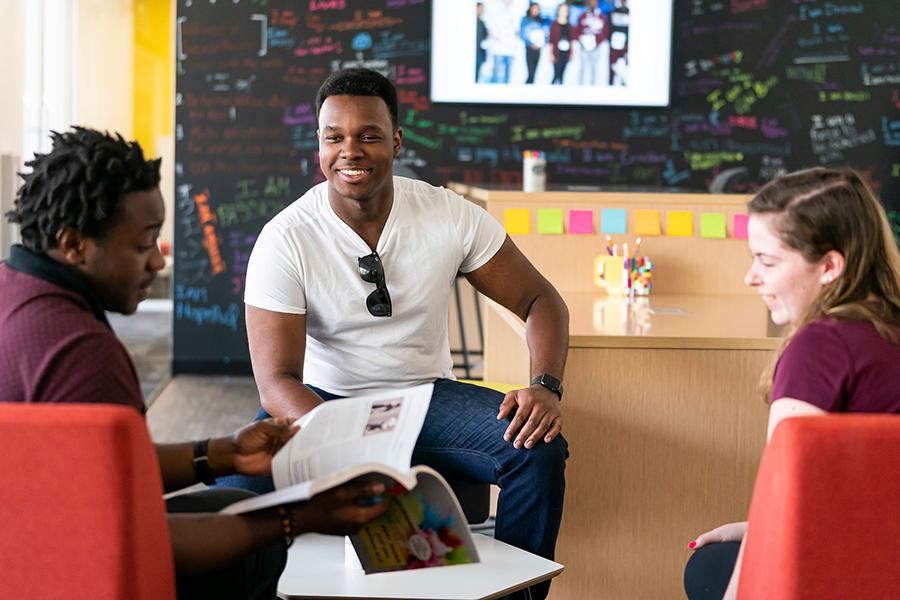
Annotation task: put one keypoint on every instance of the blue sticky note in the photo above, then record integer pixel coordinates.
(612, 220)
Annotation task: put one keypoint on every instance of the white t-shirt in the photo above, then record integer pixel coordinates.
(306, 262)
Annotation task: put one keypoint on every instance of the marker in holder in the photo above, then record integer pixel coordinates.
(534, 171)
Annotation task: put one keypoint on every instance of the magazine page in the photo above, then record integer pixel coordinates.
(423, 527)
(378, 428)
(297, 493)
(366, 472)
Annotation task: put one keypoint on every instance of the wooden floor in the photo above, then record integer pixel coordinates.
(192, 407)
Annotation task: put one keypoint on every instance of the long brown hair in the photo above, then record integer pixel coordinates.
(823, 209)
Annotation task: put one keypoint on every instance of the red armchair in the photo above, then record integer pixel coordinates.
(81, 508)
(825, 514)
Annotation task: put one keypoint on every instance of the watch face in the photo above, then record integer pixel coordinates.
(550, 382)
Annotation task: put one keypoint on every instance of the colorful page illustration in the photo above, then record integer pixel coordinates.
(423, 527)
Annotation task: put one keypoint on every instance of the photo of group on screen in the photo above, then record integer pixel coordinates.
(574, 42)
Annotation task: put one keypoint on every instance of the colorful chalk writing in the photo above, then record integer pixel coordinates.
(761, 85)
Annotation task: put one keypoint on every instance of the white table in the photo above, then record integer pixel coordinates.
(315, 569)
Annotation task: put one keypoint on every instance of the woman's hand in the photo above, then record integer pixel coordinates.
(730, 532)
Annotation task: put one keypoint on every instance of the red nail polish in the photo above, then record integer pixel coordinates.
(691, 545)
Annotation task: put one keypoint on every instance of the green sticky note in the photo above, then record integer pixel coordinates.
(680, 223)
(517, 220)
(712, 225)
(550, 220)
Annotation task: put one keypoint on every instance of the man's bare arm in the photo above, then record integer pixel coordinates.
(204, 542)
(512, 281)
(277, 348)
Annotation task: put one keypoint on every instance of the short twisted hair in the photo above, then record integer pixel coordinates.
(79, 184)
(359, 82)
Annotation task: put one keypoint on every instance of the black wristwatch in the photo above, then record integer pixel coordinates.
(202, 469)
(550, 382)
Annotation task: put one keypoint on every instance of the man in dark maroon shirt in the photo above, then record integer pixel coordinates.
(90, 212)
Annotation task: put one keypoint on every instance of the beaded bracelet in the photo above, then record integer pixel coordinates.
(287, 525)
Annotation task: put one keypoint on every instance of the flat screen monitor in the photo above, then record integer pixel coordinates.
(592, 52)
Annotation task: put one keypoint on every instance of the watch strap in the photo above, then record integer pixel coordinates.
(202, 469)
(551, 383)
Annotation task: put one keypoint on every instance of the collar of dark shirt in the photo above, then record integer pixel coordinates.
(43, 267)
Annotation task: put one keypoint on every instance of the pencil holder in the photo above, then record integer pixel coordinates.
(621, 276)
(534, 171)
(609, 274)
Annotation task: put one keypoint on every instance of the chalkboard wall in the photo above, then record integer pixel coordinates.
(764, 84)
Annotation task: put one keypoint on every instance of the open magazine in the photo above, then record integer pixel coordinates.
(372, 438)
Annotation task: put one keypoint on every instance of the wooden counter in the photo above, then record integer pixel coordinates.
(665, 429)
(662, 412)
(684, 265)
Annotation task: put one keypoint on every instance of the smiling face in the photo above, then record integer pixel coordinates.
(787, 282)
(122, 263)
(357, 146)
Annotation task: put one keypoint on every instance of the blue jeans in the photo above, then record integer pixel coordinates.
(502, 65)
(461, 434)
(709, 569)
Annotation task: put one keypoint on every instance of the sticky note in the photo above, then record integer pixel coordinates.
(712, 225)
(612, 220)
(517, 220)
(550, 220)
(581, 221)
(680, 223)
(646, 222)
(740, 226)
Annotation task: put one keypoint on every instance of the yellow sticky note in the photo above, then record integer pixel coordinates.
(646, 222)
(712, 225)
(680, 223)
(517, 220)
(550, 220)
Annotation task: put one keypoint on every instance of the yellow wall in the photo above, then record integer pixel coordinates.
(153, 97)
(153, 68)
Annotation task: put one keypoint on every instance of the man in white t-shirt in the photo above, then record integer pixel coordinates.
(348, 291)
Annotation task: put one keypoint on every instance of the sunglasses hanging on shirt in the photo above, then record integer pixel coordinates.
(372, 271)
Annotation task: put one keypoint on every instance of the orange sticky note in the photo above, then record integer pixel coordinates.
(646, 222)
(680, 223)
(517, 220)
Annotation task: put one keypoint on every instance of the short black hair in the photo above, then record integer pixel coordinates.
(79, 184)
(359, 82)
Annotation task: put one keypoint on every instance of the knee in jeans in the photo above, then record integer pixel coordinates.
(548, 458)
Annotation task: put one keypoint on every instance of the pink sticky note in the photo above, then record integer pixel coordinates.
(581, 221)
(740, 227)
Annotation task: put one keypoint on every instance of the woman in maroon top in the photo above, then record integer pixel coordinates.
(560, 42)
(825, 263)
